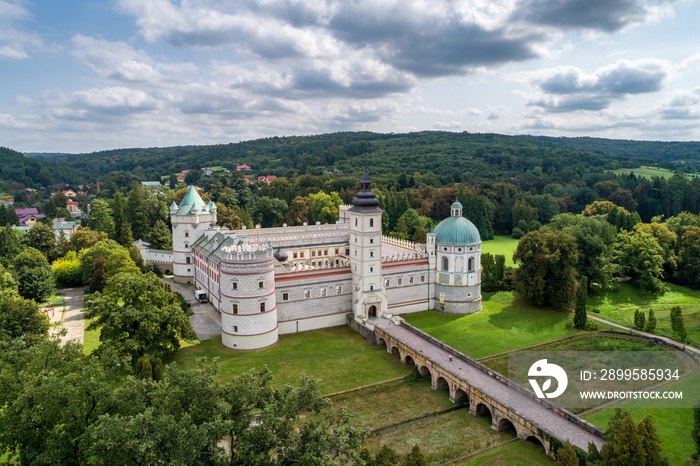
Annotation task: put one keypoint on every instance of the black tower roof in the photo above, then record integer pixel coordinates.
(365, 200)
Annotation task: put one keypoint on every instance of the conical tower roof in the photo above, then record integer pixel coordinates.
(191, 201)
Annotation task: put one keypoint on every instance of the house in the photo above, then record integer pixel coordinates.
(72, 206)
(62, 226)
(242, 167)
(9, 200)
(266, 179)
(69, 192)
(28, 216)
(150, 183)
(208, 172)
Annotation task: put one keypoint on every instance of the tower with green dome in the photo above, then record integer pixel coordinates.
(457, 260)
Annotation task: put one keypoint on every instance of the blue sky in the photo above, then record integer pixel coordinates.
(79, 76)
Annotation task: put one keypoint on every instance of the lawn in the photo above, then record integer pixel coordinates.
(501, 245)
(506, 322)
(619, 306)
(518, 453)
(340, 357)
(91, 339)
(650, 172)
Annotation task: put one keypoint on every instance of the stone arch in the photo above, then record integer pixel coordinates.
(408, 360)
(372, 311)
(461, 397)
(441, 384)
(482, 410)
(506, 424)
(395, 351)
(535, 441)
(470, 264)
(445, 264)
(381, 342)
(424, 371)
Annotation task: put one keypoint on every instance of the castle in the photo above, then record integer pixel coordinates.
(267, 282)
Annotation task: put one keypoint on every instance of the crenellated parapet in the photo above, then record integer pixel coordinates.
(246, 252)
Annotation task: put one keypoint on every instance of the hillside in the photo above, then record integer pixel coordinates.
(16, 168)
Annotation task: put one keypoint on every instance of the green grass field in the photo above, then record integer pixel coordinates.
(338, 356)
(619, 306)
(650, 172)
(501, 245)
(517, 453)
(91, 339)
(505, 323)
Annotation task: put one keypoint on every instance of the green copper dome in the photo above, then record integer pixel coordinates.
(456, 230)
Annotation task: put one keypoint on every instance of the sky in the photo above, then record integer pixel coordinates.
(87, 75)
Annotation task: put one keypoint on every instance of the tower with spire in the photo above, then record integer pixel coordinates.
(368, 296)
(189, 220)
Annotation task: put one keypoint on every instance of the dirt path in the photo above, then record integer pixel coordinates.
(73, 320)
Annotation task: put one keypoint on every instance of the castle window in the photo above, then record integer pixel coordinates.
(371, 287)
(325, 252)
(471, 264)
(445, 263)
(235, 285)
(307, 293)
(355, 251)
(371, 254)
(400, 280)
(459, 249)
(355, 222)
(371, 240)
(188, 260)
(235, 308)
(347, 251)
(313, 253)
(187, 245)
(336, 251)
(235, 328)
(295, 255)
(338, 289)
(371, 269)
(386, 283)
(410, 279)
(301, 254)
(356, 240)
(187, 234)
(422, 278)
(261, 284)
(371, 222)
(285, 296)
(323, 292)
(262, 307)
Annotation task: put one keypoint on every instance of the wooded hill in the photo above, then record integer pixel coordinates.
(452, 157)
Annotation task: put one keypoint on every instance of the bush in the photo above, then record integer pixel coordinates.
(569, 324)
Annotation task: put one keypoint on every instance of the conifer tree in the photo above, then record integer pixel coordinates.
(566, 456)
(580, 316)
(678, 323)
(650, 442)
(623, 446)
(122, 229)
(651, 322)
(639, 319)
(415, 458)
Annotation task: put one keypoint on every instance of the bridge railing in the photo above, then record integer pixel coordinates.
(587, 426)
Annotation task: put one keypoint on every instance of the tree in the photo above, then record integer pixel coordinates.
(386, 456)
(580, 316)
(85, 238)
(651, 322)
(20, 318)
(640, 256)
(34, 276)
(689, 263)
(42, 237)
(105, 250)
(269, 212)
(623, 445)
(546, 271)
(122, 229)
(639, 319)
(415, 458)
(137, 212)
(566, 455)
(696, 430)
(101, 217)
(678, 323)
(666, 239)
(137, 316)
(227, 218)
(9, 245)
(161, 237)
(651, 451)
(67, 270)
(324, 207)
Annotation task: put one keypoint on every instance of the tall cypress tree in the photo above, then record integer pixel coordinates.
(122, 229)
(137, 212)
(580, 316)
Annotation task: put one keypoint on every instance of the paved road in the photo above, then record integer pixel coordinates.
(651, 335)
(205, 319)
(73, 320)
(529, 409)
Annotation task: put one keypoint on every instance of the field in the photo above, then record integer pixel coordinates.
(514, 453)
(619, 306)
(505, 323)
(501, 245)
(650, 172)
(341, 358)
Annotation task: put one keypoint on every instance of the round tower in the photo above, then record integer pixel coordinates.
(189, 221)
(248, 302)
(457, 264)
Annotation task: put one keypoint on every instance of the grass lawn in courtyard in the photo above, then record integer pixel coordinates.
(339, 356)
(518, 453)
(619, 306)
(506, 322)
(501, 245)
(91, 339)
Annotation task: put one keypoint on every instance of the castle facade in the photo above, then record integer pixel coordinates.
(266, 282)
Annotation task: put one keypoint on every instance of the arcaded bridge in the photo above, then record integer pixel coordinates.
(486, 391)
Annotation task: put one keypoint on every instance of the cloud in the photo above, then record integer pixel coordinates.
(602, 15)
(566, 89)
(447, 125)
(14, 39)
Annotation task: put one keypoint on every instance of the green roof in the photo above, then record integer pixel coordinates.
(456, 230)
(192, 200)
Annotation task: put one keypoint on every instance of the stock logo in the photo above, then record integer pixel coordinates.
(542, 369)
